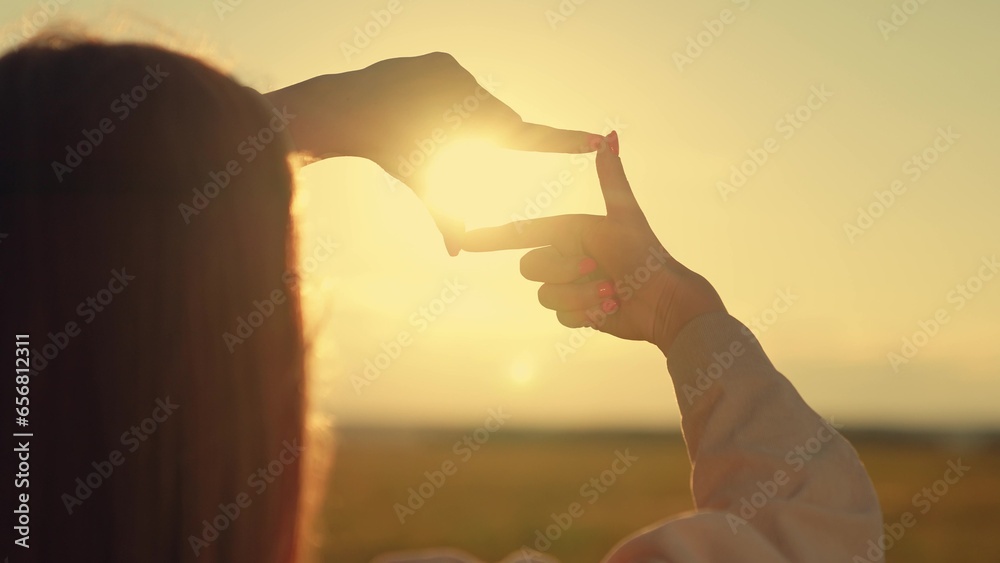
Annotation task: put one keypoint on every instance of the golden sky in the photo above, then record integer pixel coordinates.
(753, 133)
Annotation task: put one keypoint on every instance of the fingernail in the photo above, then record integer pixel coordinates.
(595, 142)
(613, 142)
(605, 289)
(587, 265)
(609, 306)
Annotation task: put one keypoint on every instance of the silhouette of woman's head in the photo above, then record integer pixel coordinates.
(144, 199)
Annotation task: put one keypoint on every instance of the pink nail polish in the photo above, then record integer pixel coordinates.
(609, 306)
(587, 265)
(595, 142)
(605, 289)
(613, 142)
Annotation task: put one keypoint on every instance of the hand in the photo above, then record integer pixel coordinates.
(399, 112)
(427, 556)
(524, 555)
(610, 273)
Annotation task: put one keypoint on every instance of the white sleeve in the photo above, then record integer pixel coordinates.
(772, 481)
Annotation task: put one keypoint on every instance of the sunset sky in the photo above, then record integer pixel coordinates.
(898, 118)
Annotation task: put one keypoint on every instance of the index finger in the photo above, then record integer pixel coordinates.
(542, 138)
(618, 195)
(512, 132)
(548, 231)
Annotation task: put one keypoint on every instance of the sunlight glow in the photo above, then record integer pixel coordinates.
(463, 180)
(481, 184)
(522, 371)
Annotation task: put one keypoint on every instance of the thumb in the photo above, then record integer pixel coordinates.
(452, 230)
(618, 196)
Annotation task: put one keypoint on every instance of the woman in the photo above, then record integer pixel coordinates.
(148, 256)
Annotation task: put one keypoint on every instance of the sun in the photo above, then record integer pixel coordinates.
(463, 182)
(522, 371)
(482, 184)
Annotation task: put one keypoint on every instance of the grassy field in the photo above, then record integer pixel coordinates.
(498, 497)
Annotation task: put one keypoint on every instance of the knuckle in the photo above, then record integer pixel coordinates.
(441, 58)
(525, 266)
(435, 55)
(568, 319)
(563, 319)
(544, 295)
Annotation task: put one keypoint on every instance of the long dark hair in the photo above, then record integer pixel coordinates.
(150, 260)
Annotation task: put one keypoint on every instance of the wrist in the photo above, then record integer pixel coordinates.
(692, 297)
(317, 132)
